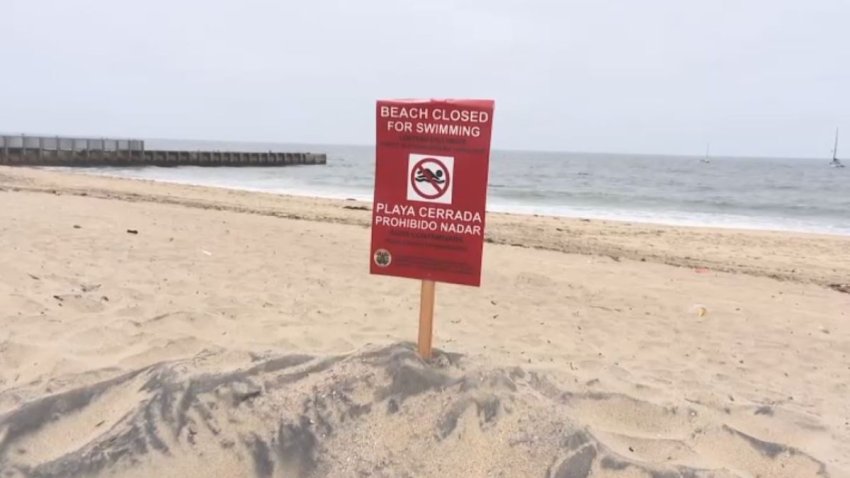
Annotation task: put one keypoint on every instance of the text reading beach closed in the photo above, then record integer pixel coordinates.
(431, 189)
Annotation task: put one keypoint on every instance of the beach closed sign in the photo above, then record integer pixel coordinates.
(431, 176)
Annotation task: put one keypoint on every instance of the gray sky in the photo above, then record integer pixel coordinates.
(753, 77)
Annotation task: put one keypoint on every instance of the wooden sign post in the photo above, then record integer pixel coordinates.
(426, 318)
(431, 170)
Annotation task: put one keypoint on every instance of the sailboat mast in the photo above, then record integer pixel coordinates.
(835, 148)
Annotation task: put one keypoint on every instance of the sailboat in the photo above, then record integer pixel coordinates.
(705, 159)
(835, 162)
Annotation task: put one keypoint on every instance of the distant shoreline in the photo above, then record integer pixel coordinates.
(791, 256)
(496, 205)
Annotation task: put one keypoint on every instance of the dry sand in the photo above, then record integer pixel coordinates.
(239, 334)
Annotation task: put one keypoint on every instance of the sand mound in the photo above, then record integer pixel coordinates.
(380, 412)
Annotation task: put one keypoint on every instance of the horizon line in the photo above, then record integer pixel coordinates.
(372, 145)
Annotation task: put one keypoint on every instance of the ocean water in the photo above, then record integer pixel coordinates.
(754, 193)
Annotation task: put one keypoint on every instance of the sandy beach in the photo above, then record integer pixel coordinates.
(151, 329)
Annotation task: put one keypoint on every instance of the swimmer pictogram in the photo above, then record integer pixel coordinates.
(430, 178)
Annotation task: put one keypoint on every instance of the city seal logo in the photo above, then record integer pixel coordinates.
(383, 258)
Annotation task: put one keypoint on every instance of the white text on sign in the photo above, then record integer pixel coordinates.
(443, 119)
(427, 218)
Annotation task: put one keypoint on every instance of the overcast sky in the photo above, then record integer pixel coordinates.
(753, 77)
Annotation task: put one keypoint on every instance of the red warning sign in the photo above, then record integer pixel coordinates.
(431, 176)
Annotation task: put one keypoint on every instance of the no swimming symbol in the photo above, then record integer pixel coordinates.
(430, 178)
